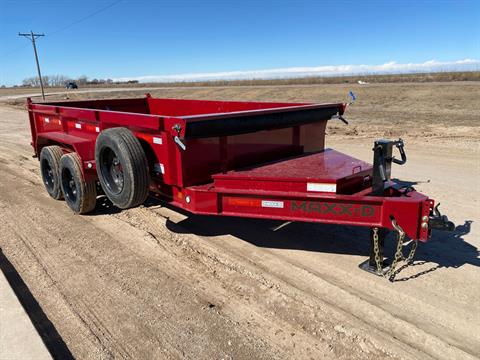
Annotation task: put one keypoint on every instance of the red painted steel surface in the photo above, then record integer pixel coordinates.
(194, 108)
(267, 160)
(328, 169)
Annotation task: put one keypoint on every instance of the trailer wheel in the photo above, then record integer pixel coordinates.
(122, 167)
(50, 170)
(80, 195)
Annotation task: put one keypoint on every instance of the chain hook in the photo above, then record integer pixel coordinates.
(390, 274)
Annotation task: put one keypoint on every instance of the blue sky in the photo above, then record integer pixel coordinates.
(147, 37)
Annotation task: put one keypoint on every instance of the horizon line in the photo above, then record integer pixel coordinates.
(391, 67)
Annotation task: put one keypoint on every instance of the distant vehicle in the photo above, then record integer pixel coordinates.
(71, 85)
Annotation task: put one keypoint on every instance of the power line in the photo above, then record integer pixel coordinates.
(85, 18)
(32, 37)
(13, 51)
(96, 12)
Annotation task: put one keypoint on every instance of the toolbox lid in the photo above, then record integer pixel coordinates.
(325, 171)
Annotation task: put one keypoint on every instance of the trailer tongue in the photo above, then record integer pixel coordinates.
(249, 159)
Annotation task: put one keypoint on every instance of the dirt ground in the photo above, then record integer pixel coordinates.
(152, 282)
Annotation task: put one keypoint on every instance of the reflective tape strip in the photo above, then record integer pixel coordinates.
(78, 126)
(159, 168)
(243, 202)
(322, 187)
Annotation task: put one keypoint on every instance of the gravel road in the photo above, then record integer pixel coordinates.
(152, 282)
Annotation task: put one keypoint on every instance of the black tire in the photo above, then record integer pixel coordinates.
(50, 170)
(80, 196)
(122, 167)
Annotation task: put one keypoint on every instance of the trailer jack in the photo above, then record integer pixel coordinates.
(377, 264)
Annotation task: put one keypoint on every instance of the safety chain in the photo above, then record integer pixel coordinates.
(376, 251)
(398, 253)
(391, 272)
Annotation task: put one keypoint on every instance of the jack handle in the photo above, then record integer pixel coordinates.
(400, 146)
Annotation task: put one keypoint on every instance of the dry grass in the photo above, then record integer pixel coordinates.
(389, 78)
(440, 111)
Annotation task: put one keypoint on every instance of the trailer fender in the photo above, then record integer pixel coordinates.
(70, 143)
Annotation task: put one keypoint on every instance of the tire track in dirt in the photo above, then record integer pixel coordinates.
(264, 286)
(48, 265)
(286, 275)
(439, 318)
(91, 311)
(374, 293)
(124, 285)
(52, 294)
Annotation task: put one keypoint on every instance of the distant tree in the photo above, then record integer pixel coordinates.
(46, 80)
(57, 80)
(27, 82)
(82, 80)
(31, 81)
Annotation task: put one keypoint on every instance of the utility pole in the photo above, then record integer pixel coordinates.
(32, 38)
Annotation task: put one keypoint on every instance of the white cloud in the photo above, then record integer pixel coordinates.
(329, 70)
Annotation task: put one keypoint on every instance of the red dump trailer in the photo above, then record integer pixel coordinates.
(250, 159)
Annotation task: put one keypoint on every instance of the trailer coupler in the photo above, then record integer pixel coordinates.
(438, 221)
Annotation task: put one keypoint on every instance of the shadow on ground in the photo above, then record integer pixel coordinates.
(448, 249)
(47, 331)
(444, 249)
